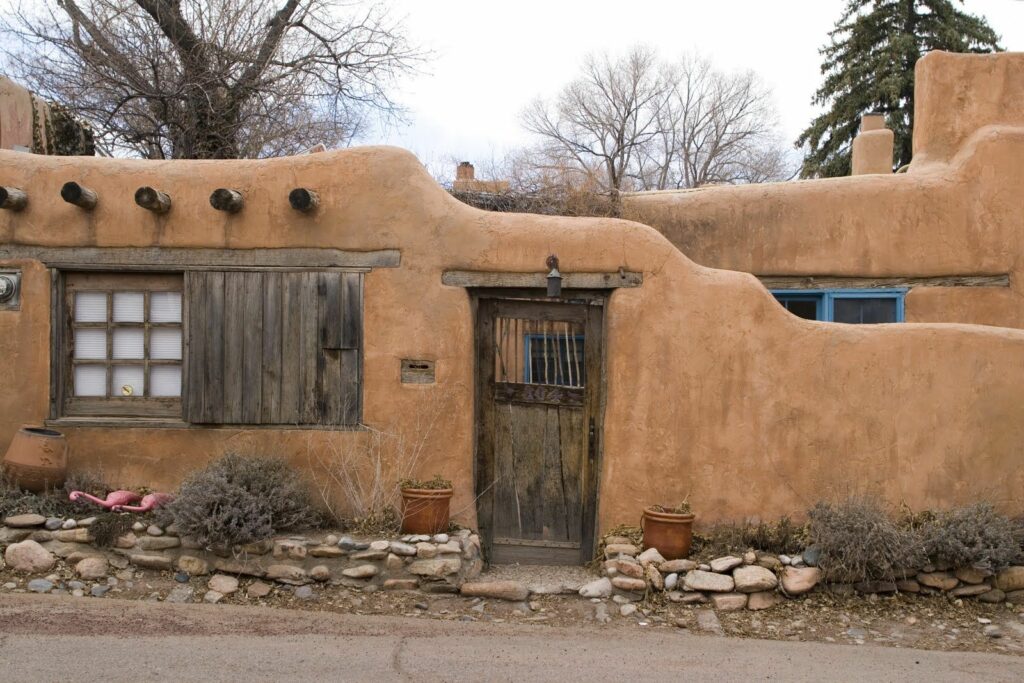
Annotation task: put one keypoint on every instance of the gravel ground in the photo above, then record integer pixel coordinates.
(932, 623)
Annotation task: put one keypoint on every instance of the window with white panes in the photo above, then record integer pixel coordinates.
(124, 344)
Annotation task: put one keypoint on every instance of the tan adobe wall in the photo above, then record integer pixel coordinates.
(712, 388)
(956, 212)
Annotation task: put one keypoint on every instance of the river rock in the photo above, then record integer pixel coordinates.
(1010, 579)
(326, 551)
(908, 586)
(970, 590)
(221, 583)
(942, 581)
(24, 521)
(92, 568)
(724, 564)
(285, 573)
(994, 596)
(799, 580)
(154, 530)
(436, 567)
(650, 556)
(708, 621)
(677, 566)
(670, 581)
(151, 561)
(52, 523)
(29, 557)
(195, 566)
(616, 549)
(426, 550)
(769, 561)
(628, 568)
(69, 524)
(627, 583)
(728, 602)
(751, 578)
(213, 597)
(81, 535)
(259, 589)
(400, 584)
(698, 580)
(40, 585)
(180, 594)
(451, 546)
(972, 575)
(601, 588)
(152, 543)
(763, 600)
(403, 549)
(363, 571)
(654, 577)
(627, 610)
(513, 591)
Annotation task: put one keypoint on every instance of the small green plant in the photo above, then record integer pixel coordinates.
(237, 500)
(971, 536)
(438, 483)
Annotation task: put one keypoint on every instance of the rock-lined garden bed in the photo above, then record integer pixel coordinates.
(756, 580)
(437, 564)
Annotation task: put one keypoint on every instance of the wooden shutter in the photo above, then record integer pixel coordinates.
(274, 347)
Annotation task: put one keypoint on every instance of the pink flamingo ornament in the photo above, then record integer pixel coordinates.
(149, 502)
(113, 500)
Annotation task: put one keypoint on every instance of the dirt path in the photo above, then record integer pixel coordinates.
(49, 638)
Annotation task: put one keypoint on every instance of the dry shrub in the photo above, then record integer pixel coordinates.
(781, 537)
(92, 482)
(238, 499)
(859, 540)
(109, 526)
(971, 536)
(357, 478)
(55, 503)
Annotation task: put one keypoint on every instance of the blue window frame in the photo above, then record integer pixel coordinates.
(554, 359)
(854, 306)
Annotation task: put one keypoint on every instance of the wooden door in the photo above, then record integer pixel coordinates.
(539, 384)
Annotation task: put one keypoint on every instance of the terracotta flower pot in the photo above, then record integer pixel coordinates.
(670, 532)
(425, 511)
(37, 459)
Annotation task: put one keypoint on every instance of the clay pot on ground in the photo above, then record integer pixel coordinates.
(425, 511)
(670, 532)
(37, 459)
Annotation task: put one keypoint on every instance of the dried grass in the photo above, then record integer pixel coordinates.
(971, 536)
(859, 540)
(780, 537)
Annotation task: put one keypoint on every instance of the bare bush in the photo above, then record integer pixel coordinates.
(14, 501)
(972, 536)
(238, 499)
(358, 477)
(781, 537)
(859, 540)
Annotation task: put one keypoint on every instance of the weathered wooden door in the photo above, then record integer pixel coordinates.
(539, 378)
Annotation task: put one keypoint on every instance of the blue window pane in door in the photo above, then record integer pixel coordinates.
(865, 310)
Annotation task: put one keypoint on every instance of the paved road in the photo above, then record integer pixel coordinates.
(50, 638)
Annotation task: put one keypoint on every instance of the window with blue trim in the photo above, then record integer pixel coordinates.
(854, 306)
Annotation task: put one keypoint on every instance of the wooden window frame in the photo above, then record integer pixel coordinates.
(825, 299)
(64, 401)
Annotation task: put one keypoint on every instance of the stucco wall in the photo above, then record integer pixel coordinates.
(956, 212)
(713, 389)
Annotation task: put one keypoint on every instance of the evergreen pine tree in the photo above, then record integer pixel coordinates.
(869, 67)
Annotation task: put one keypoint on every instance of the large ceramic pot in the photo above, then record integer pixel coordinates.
(425, 511)
(37, 459)
(670, 532)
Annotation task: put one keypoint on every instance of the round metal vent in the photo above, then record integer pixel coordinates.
(8, 288)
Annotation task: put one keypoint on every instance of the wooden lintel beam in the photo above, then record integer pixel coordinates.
(80, 196)
(844, 282)
(227, 200)
(175, 258)
(469, 278)
(152, 199)
(303, 199)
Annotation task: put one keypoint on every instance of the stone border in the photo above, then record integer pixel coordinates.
(433, 564)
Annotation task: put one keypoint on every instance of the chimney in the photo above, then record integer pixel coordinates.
(873, 146)
(465, 171)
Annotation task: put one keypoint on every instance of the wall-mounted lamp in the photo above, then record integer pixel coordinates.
(554, 277)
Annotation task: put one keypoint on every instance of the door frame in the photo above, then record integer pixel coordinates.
(483, 467)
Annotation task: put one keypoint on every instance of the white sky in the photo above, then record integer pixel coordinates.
(491, 59)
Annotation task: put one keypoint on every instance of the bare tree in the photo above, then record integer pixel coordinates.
(211, 78)
(651, 125)
(606, 115)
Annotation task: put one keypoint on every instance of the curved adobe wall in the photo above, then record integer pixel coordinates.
(957, 212)
(712, 388)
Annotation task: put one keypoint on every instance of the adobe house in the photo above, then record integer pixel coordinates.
(169, 311)
(938, 242)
